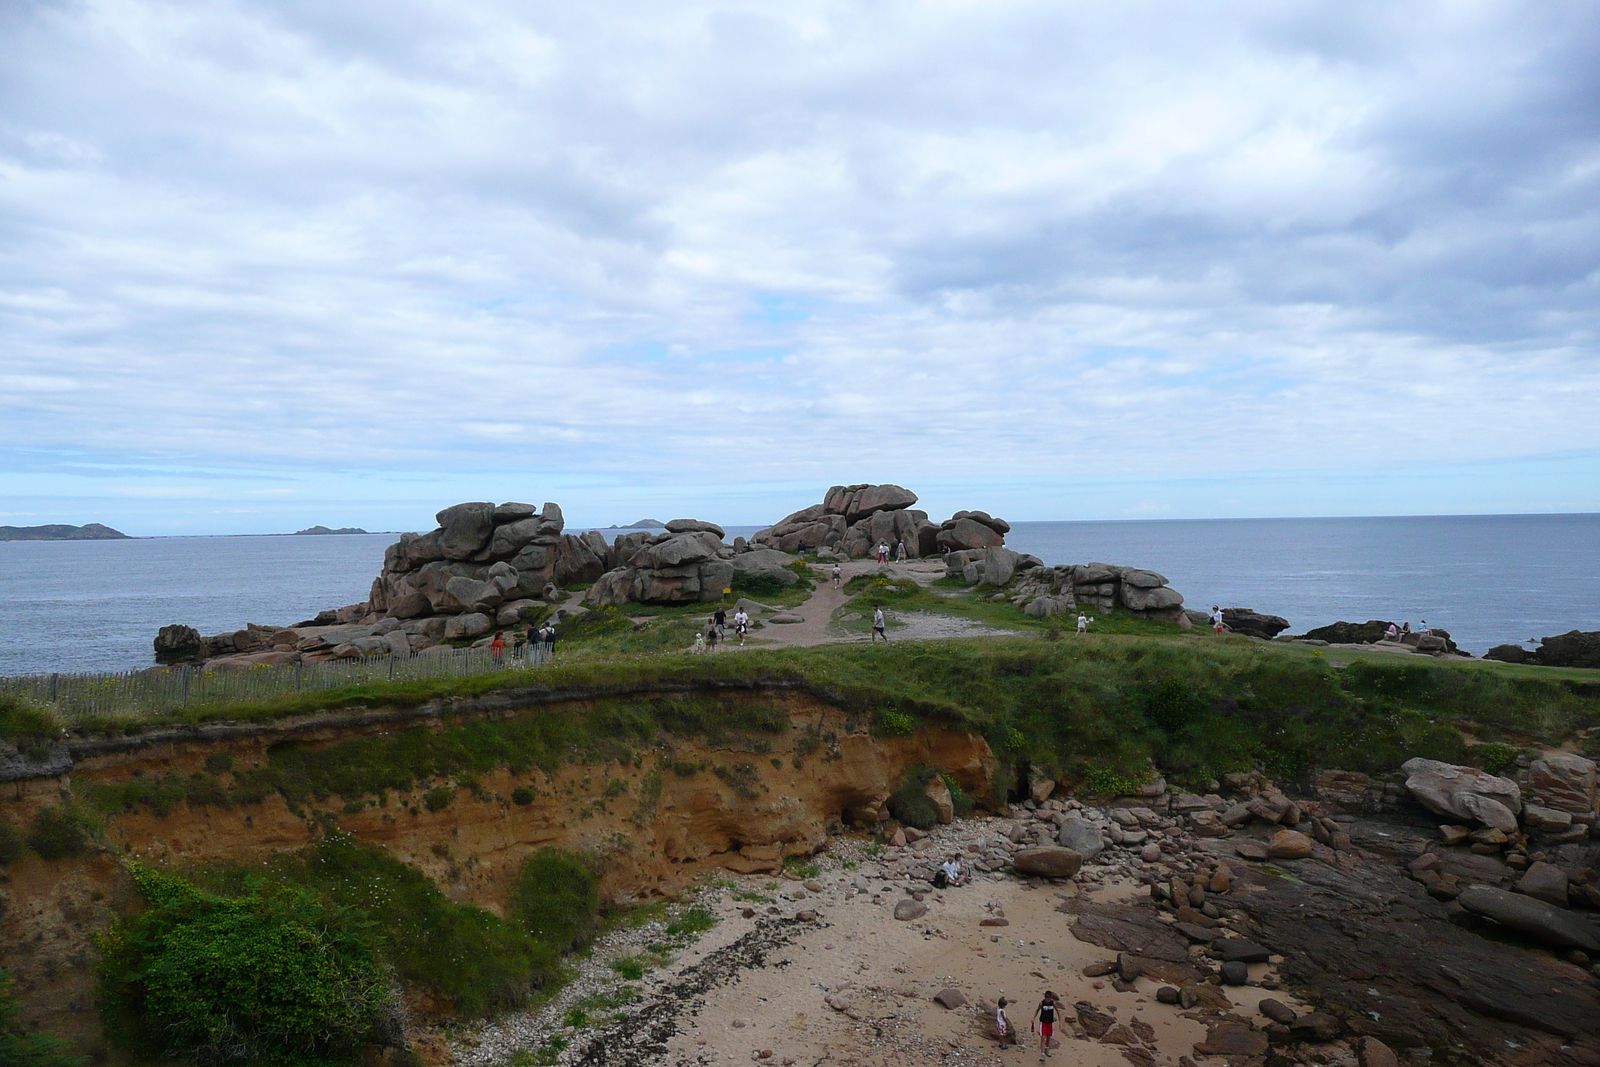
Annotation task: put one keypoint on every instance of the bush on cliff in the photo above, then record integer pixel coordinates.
(269, 977)
(911, 804)
(556, 899)
(60, 832)
(21, 1047)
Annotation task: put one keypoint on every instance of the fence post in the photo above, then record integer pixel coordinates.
(53, 678)
(186, 687)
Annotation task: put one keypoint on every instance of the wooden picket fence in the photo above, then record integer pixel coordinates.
(150, 692)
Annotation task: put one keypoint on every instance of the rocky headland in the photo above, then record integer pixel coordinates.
(489, 566)
(57, 531)
(317, 530)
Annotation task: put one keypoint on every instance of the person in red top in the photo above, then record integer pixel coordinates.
(497, 647)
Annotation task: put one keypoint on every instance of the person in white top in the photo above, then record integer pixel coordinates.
(741, 624)
(1216, 619)
(837, 576)
(877, 626)
(1002, 1025)
(900, 552)
(883, 553)
(954, 873)
(1083, 623)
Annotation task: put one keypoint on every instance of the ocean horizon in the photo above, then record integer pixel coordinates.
(1487, 579)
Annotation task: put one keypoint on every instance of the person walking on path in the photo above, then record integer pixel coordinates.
(721, 621)
(877, 625)
(837, 576)
(900, 552)
(741, 624)
(1216, 620)
(883, 552)
(497, 648)
(711, 637)
(1045, 1018)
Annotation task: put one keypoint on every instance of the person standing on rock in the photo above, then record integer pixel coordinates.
(877, 625)
(1044, 1017)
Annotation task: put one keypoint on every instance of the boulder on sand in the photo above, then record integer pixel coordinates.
(1464, 792)
(1080, 837)
(1047, 862)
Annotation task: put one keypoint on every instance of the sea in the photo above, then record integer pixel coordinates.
(96, 605)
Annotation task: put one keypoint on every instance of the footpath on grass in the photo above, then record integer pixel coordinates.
(818, 625)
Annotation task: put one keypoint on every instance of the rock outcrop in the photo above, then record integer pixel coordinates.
(686, 564)
(1252, 623)
(1575, 648)
(1044, 591)
(1350, 633)
(1464, 793)
(853, 520)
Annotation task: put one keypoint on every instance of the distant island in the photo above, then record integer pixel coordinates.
(642, 524)
(60, 531)
(325, 530)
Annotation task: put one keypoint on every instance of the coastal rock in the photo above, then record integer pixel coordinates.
(1464, 792)
(679, 526)
(179, 644)
(909, 909)
(959, 534)
(1509, 654)
(857, 501)
(765, 561)
(464, 529)
(1146, 598)
(999, 526)
(1575, 648)
(1047, 862)
(1546, 882)
(1080, 837)
(1565, 781)
(1350, 633)
(1289, 845)
(1252, 623)
(1536, 918)
(1546, 820)
(1142, 579)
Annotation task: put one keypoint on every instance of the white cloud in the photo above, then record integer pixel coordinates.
(730, 244)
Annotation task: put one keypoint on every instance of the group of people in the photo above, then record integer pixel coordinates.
(524, 646)
(953, 873)
(899, 552)
(717, 628)
(1043, 1023)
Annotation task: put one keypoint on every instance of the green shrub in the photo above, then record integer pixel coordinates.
(911, 803)
(758, 585)
(693, 920)
(28, 726)
(893, 724)
(1494, 757)
(219, 763)
(19, 1047)
(522, 796)
(269, 978)
(60, 832)
(629, 968)
(11, 846)
(439, 798)
(556, 899)
(1101, 781)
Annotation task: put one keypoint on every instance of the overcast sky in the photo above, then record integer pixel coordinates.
(270, 264)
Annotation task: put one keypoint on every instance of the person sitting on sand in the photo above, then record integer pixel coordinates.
(1003, 1030)
(1044, 1017)
(954, 873)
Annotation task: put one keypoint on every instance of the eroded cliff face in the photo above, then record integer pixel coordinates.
(662, 818)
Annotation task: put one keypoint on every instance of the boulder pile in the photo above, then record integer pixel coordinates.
(485, 566)
(1044, 591)
(686, 563)
(853, 520)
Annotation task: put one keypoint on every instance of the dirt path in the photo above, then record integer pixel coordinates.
(817, 611)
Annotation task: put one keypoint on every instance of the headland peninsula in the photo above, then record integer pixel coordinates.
(666, 841)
